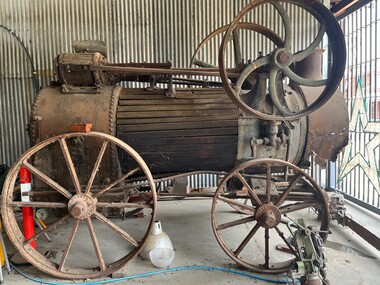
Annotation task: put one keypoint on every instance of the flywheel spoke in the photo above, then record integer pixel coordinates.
(287, 24)
(303, 81)
(249, 69)
(274, 93)
(306, 52)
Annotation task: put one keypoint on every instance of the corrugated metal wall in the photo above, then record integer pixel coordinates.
(135, 31)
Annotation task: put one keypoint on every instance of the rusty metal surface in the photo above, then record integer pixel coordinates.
(194, 130)
(83, 209)
(277, 139)
(72, 69)
(57, 111)
(328, 127)
(363, 232)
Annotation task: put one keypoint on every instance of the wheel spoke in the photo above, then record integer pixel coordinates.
(285, 194)
(269, 179)
(70, 164)
(266, 248)
(47, 229)
(274, 92)
(235, 223)
(68, 245)
(237, 47)
(301, 80)
(297, 207)
(246, 240)
(238, 204)
(116, 228)
(249, 69)
(281, 234)
(47, 180)
(121, 179)
(123, 205)
(53, 205)
(306, 52)
(250, 190)
(96, 166)
(287, 24)
(95, 242)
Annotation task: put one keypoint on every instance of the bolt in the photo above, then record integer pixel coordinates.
(283, 57)
(78, 210)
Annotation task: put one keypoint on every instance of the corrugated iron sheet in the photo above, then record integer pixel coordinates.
(135, 31)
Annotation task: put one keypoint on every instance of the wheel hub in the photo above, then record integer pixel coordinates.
(282, 57)
(82, 206)
(268, 216)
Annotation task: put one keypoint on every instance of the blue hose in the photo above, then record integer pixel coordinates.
(192, 267)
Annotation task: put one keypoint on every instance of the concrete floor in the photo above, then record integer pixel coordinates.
(351, 261)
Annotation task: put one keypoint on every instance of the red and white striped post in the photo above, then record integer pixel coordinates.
(27, 212)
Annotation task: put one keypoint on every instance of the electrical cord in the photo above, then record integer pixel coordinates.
(34, 73)
(152, 273)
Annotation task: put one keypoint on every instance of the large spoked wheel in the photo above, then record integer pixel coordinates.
(278, 193)
(278, 64)
(73, 184)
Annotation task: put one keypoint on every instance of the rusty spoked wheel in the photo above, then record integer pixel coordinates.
(278, 64)
(279, 193)
(79, 183)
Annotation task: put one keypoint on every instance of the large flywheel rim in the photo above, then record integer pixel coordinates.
(333, 31)
(243, 26)
(39, 260)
